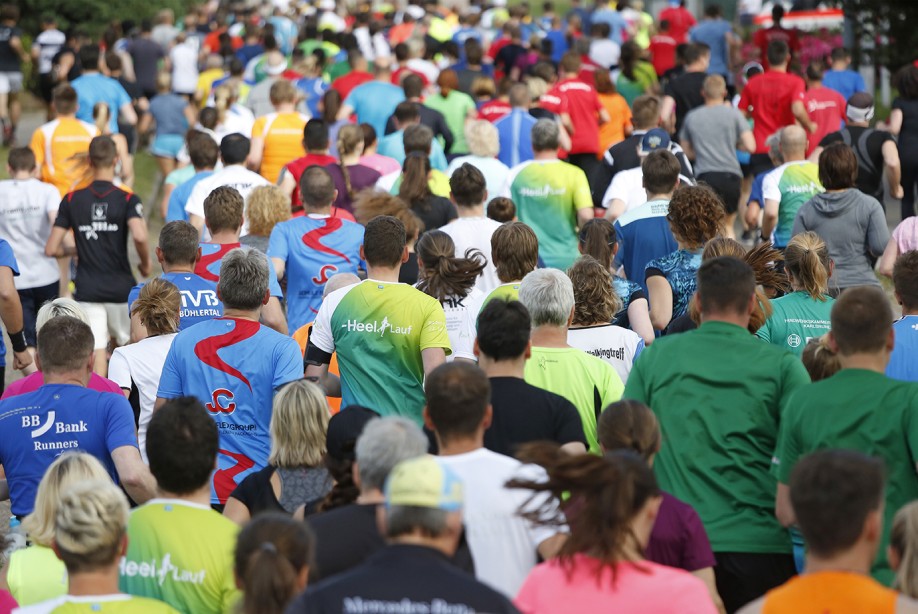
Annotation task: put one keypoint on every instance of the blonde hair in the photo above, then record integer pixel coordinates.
(67, 469)
(299, 421)
(595, 300)
(90, 524)
(903, 538)
(60, 307)
(350, 141)
(482, 138)
(266, 206)
(159, 306)
(819, 360)
(164, 82)
(806, 258)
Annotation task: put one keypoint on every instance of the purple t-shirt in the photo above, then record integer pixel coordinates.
(31, 383)
(678, 538)
(361, 177)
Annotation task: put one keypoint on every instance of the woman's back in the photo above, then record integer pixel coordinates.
(35, 574)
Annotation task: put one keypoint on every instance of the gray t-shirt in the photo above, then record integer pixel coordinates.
(714, 132)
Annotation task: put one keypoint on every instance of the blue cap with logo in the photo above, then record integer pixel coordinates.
(655, 139)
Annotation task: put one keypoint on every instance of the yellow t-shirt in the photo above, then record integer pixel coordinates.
(55, 144)
(35, 575)
(283, 136)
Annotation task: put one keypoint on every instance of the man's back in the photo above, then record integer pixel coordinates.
(37, 427)
(95, 88)
(27, 209)
(235, 176)
(903, 363)
(770, 96)
(314, 249)
(283, 141)
(839, 592)
(580, 101)
(713, 33)
(718, 411)
(524, 413)
(55, 143)
(826, 109)
(374, 101)
(686, 91)
(345, 537)
(199, 298)
(475, 233)
(643, 234)
(868, 149)
(208, 267)
(845, 82)
(714, 132)
(99, 217)
(193, 544)
(233, 366)
(515, 134)
(792, 184)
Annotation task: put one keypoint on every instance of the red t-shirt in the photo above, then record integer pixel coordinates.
(763, 38)
(680, 21)
(296, 169)
(769, 97)
(663, 52)
(826, 108)
(493, 110)
(580, 101)
(403, 72)
(345, 83)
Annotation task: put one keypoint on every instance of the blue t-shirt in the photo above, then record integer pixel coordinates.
(616, 22)
(313, 89)
(95, 88)
(713, 33)
(903, 362)
(393, 146)
(845, 82)
(169, 112)
(180, 195)
(313, 249)
(514, 133)
(233, 367)
(756, 193)
(643, 234)
(199, 298)
(680, 269)
(208, 267)
(374, 102)
(39, 426)
(627, 291)
(7, 258)
(559, 44)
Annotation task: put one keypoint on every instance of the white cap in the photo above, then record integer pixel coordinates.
(327, 5)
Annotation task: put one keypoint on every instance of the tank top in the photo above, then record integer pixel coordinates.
(838, 592)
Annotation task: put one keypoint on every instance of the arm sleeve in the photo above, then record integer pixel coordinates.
(582, 197)
(799, 223)
(119, 423)
(787, 449)
(877, 230)
(170, 382)
(568, 425)
(288, 363)
(277, 244)
(119, 371)
(764, 332)
(433, 332)
(321, 336)
(258, 128)
(697, 554)
(63, 214)
(770, 187)
(636, 388)
(134, 207)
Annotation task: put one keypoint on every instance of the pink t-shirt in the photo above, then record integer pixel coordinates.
(31, 383)
(906, 234)
(648, 588)
(7, 603)
(384, 165)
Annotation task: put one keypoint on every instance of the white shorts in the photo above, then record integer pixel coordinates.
(10, 82)
(108, 319)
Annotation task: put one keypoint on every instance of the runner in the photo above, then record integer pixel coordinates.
(788, 187)
(316, 144)
(276, 136)
(901, 362)
(515, 253)
(57, 142)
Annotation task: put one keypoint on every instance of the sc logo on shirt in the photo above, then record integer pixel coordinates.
(221, 402)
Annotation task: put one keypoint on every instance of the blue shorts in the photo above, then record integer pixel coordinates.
(167, 145)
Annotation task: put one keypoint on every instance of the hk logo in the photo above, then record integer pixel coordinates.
(221, 402)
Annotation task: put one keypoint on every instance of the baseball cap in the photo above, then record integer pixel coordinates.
(343, 430)
(327, 5)
(275, 69)
(654, 139)
(424, 482)
(860, 107)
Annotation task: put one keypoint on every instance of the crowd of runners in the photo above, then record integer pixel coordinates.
(462, 309)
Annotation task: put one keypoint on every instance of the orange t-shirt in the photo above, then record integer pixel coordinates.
(283, 136)
(613, 131)
(301, 336)
(55, 144)
(839, 592)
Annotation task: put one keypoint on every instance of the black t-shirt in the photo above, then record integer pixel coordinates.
(869, 171)
(506, 58)
(525, 413)
(624, 155)
(435, 211)
(409, 272)
(75, 70)
(257, 493)
(347, 536)
(686, 91)
(9, 59)
(402, 578)
(98, 216)
(908, 136)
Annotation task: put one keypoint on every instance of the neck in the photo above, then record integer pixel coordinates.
(473, 211)
(222, 237)
(103, 174)
(778, 68)
(284, 107)
(461, 445)
(78, 378)
(857, 124)
(795, 157)
(909, 311)
(513, 367)
(317, 152)
(667, 197)
(374, 496)
(546, 155)
(713, 102)
(696, 68)
(841, 66)
(21, 175)
(326, 211)
(548, 336)
(852, 561)
(380, 273)
(416, 539)
(350, 159)
(875, 361)
(201, 496)
(178, 268)
(741, 320)
(97, 582)
(242, 314)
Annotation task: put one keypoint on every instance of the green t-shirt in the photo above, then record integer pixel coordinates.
(455, 107)
(504, 292)
(590, 383)
(35, 574)
(791, 185)
(107, 604)
(795, 319)
(379, 330)
(858, 410)
(717, 392)
(181, 553)
(548, 196)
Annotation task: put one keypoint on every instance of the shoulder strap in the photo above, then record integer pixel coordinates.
(862, 153)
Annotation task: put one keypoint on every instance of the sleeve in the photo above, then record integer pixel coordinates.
(636, 388)
(246, 492)
(832, 137)
(195, 204)
(526, 600)
(277, 244)
(433, 331)
(134, 207)
(697, 554)
(123, 97)
(52, 200)
(581, 192)
(770, 187)
(859, 85)
(755, 194)
(742, 125)
(686, 133)
(787, 449)
(119, 371)
(794, 375)
(288, 363)
(620, 239)
(8, 258)
(63, 219)
(613, 387)
(799, 222)
(798, 91)
(258, 128)
(37, 145)
(273, 284)
(764, 332)
(744, 103)
(877, 230)
(119, 423)
(437, 157)
(321, 336)
(170, 381)
(568, 425)
(465, 342)
(176, 208)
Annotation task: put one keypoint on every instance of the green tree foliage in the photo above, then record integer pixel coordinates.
(93, 15)
(892, 24)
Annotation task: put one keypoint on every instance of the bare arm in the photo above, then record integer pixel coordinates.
(287, 182)
(432, 358)
(770, 217)
(660, 295)
(159, 403)
(688, 149)
(55, 247)
(138, 228)
(331, 385)
(584, 216)
(272, 316)
(345, 111)
(197, 221)
(895, 122)
(574, 448)
(706, 575)
(639, 319)
(799, 111)
(893, 168)
(134, 474)
(164, 202)
(668, 114)
(236, 511)
(616, 208)
(127, 114)
(11, 314)
(888, 259)
(280, 267)
(567, 123)
(604, 117)
(747, 141)
(127, 160)
(784, 511)
(549, 548)
(255, 154)
(814, 157)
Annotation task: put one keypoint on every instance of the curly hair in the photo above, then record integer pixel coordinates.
(158, 306)
(373, 203)
(696, 215)
(266, 206)
(595, 300)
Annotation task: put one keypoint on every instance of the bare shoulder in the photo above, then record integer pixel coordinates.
(753, 608)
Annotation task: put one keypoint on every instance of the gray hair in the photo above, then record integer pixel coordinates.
(60, 307)
(774, 147)
(548, 294)
(338, 281)
(244, 278)
(545, 135)
(482, 138)
(404, 519)
(383, 444)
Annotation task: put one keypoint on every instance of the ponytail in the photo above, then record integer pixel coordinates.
(270, 581)
(159, 307)
(597, 239)
(350, 140)
(331, 104)
(444, 276)
(100, 115)
(806, 257)
(222, 96)
(903, 538)
(414, 188)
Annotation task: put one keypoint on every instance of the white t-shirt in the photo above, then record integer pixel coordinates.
(475, 232)
(27, 209)
(494, 171)
(239, 119)
(503, 545)
(628, 186)
(605, 52)
(615, 345)
(460, 323)
(141, 364)
(184, 58)
(234, 176)
(48, 43)
(385, 182)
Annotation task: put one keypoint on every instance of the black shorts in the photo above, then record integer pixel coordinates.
(759, 163)
(744, 577)
(727, 185)
(46, 86)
